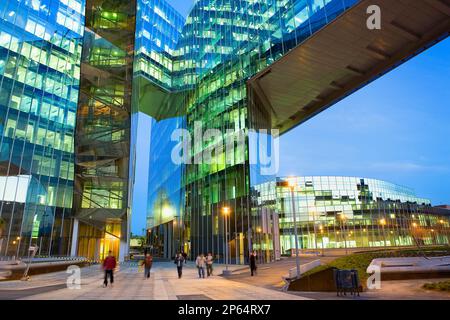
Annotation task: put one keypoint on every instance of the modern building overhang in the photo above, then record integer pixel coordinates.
(156, 101)
(346, 55)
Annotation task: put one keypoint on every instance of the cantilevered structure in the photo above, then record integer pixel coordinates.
(74, 73)
(243, 65)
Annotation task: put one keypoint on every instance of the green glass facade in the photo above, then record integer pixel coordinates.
(350, 212)
(74, 75)
(222, 45)
(40, 53)
(156, 63)
(104, 126)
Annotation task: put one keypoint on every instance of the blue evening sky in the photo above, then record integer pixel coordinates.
(395, 129)
(183, 6)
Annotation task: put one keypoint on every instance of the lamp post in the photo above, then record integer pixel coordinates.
(383, 223)
(259, 239)
(321, 236)
(315, 233)
(441, 227)
(226, 213)
(342, 215)
(292, 184)
(176, 235)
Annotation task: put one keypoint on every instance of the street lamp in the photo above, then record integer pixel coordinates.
(342, 217)
(383, 223)
(321, 235)
(292, 184)
(259, 238)
(433, 237)
(441, 227)
(226, 213)
(315, 233)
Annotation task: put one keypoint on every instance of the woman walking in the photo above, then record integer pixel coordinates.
(209, 264)
(147, 263)
(200, 263)
(109, 264)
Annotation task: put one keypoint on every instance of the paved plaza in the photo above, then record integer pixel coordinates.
(130, 284)
(164, 285)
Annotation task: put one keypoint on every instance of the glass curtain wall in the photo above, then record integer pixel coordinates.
(348, 212)
(159, 28)
(40, 52)
(224, 43)
(104, 122)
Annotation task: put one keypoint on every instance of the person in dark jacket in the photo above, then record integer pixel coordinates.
(253, 263)
(147, 263)
(179, 260)
(184, 254)
(109, 264)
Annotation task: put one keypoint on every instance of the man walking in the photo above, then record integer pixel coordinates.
(109, 264)
(147, 263)
(200, 262)
(179, 260)
(209, 264)
(253, 262)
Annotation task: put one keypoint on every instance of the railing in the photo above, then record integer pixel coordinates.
(304, 268)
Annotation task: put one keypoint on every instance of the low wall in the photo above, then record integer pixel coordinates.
(16, 271)
(322, 281)
(411, 267)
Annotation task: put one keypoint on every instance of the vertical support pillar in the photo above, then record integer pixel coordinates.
(123, 250)
(74, 247)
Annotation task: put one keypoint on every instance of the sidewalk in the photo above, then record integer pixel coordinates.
(163, 284)
(390, 290)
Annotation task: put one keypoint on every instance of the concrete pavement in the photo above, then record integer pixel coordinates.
(269, 276)
(165, 285)
(390, 290)
(130, 285)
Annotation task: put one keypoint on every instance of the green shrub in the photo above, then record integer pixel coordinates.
(438, 286)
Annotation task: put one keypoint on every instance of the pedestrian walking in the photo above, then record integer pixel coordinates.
(109, 264)
(209, 264)
(184, 254)
(200, 262)
(147, 263)
(253, 263)
(179, 260)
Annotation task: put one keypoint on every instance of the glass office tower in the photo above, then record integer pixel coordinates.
(74, 74)
(351, 212)
(159, 30)
(40, 53)
(222, 45)
(103, 132)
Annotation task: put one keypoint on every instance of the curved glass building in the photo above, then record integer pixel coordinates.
(349, 212)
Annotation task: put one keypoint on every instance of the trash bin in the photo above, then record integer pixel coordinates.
(346, 281)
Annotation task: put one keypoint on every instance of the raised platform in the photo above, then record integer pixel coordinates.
(14, 270)
(411, 267)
